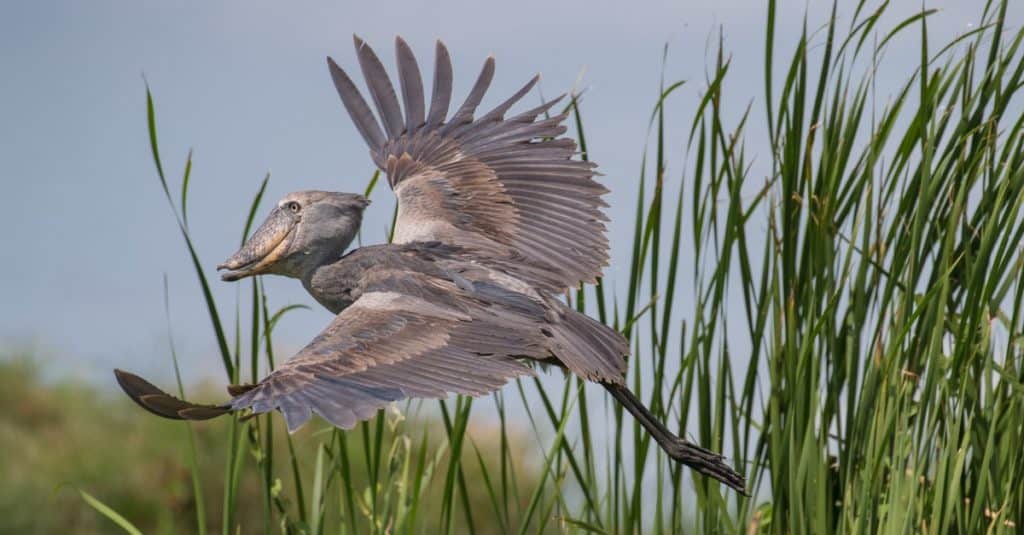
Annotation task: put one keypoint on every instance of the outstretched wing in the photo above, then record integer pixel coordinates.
(505, 188)
(385, 347)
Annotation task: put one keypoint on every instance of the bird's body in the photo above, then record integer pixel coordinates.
(336, 285)
(496, 220)
(425, 319)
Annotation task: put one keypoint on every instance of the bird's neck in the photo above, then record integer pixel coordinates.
(332, 282)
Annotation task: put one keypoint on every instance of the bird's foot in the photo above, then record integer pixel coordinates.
(706, 462)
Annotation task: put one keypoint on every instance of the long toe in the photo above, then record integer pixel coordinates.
(706, 462)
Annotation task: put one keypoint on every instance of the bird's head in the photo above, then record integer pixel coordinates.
(305, 230)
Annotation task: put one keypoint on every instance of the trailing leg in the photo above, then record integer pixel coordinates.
(700, 459)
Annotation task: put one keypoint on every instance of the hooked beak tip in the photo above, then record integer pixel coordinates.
(232, 263)
(234, 272)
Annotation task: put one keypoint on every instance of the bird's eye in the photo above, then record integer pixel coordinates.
(294, 207)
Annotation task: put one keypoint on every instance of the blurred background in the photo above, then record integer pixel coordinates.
(88, 238)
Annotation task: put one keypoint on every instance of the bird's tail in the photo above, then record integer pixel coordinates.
(702, 460)
(589, 348)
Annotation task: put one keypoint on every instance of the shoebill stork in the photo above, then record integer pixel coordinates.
(495, 221)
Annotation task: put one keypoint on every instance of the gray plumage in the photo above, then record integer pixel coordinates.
(495, 221)
(412, 85)
(441, 97)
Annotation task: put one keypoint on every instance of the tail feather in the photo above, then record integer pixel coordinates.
(589, 348)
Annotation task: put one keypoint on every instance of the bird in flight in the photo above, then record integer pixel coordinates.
(495, 221)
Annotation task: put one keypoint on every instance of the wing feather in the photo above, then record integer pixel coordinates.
(442, 94)
(412, 85)
(483, 81)
(530, 115)
(504, 188)
(381, 90)
(356, 106)
(499, 111)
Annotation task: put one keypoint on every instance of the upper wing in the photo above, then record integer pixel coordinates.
(505, 188)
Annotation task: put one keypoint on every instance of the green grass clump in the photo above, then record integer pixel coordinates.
(853, 340)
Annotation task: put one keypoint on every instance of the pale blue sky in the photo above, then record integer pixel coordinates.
(87, 235)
